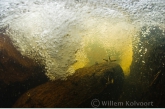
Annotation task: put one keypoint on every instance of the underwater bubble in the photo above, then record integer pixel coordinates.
(51, 32)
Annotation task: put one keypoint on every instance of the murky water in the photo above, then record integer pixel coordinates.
(65, 35)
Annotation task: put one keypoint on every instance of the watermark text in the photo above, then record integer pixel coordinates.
(100, 103)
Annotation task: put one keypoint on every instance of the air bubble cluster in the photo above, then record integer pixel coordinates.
(53, 31)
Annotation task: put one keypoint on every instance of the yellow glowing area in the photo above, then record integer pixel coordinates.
(120, 40)
(81, 60)
(126, 59)
(105, 39)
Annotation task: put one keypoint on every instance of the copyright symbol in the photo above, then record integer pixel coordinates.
(95, 103)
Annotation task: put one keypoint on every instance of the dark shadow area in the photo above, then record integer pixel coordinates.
(147, 78)
(18, 74)
(9, 93)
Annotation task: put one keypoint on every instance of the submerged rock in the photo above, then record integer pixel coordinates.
(17, 73)
(102, 81)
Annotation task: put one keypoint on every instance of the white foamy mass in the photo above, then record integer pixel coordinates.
(53, 31)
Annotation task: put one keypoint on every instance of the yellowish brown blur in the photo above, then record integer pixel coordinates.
(104, 40)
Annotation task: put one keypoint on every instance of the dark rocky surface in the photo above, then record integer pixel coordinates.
(102, 81)
(17, 73)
